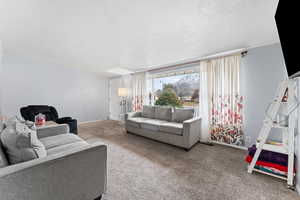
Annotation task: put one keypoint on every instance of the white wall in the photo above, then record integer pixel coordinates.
(73, 92)
(261, 72)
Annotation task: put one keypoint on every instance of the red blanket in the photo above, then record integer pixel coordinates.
(268, 164)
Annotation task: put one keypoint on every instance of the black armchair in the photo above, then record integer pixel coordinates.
(29, 113)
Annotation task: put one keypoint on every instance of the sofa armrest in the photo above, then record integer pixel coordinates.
(75, 174)
(193, 120)
(191, 131)
(133, 114)
(52, 130)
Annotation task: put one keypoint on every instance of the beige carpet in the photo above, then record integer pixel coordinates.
(142, 169)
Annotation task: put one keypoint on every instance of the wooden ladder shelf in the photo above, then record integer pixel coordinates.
(286, 94)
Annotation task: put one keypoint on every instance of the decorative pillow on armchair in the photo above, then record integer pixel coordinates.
(21, 143)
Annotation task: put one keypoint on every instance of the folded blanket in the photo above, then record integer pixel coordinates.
(271, 170)
(269, 156)
(268, 164)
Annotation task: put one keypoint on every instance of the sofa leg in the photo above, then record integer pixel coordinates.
(99, 198)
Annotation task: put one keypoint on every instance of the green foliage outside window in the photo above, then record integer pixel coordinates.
(168, 97)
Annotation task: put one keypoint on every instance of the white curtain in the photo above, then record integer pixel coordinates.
(220, 101)
(139, 91)
(204, 105)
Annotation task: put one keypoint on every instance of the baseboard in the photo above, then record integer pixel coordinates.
(206, 142)
(86, 122)
(230, 145)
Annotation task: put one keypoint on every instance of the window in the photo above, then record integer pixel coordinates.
(179, 88)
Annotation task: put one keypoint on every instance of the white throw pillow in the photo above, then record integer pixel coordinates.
(21, 143)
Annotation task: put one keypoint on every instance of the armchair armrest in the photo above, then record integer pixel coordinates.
(52, 130)
(75, 174)
(191, 131)
(133, 114)
(63, 120)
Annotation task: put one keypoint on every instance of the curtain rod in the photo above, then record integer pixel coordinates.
(242, 51)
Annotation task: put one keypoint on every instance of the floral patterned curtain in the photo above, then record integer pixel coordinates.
(139, 89)
(225, 103)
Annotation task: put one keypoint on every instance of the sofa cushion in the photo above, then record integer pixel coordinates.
(21, 143)
(136, 121)
(152, 124)
(180, 115)
(163, 113)
(148, 112)
(66, 147)
(59, 140)
(172, 128)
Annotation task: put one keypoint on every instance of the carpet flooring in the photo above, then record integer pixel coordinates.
(143, 169)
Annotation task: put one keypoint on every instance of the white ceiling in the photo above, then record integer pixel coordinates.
(100, 35)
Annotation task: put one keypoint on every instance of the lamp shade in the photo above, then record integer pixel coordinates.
(122, 92)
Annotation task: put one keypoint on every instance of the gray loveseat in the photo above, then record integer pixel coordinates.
(176, 127)
(72, 170)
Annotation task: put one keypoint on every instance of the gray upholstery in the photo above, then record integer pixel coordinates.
(151, 124)
(59, 140)
(62, 142)
(1, 126)
(172, 128)
(133, 115)
(136, 121)
(11, 121)
(190, 128)
(182, 114)
(3, 159)
(163, 113)
(184, 134)
(72, 170)
(52, 130)
(21, 143)
(66, 147)
(148, 112)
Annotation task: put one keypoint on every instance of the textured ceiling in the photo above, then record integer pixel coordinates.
(100, 35)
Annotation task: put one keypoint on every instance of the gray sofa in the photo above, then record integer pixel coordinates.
(176, 127)
(72, 170)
